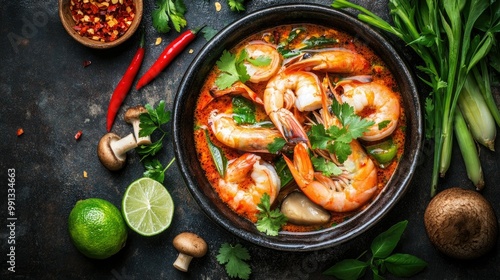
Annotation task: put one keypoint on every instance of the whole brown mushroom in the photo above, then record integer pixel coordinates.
(132, 117)
(112, 150)
(190, 246)
(461, 223)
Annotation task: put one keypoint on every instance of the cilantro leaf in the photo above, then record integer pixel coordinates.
(234, 258)
(269, 221)
(167, 10)
(232, 69)
(155, 170)
(326, 167)
(153, 119)
(337, 139)
(236, 5)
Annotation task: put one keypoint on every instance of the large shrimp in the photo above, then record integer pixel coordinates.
(260, 49)
(245, 138)
(247, 179)
(301, 90)
(346, 192)
(333, 61)
(343, 193)
(376, 102)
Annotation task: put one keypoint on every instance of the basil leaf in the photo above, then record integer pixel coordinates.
(347, 269)
(404, 265)
(218, 156)
(243, 111)
(384, 243)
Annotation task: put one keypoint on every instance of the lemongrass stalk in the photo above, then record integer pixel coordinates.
(482, 76)
(476, 114)
(469, 151)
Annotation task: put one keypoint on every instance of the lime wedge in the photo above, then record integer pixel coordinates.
(147, 207)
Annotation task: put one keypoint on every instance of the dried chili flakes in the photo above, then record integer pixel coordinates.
(102, 20)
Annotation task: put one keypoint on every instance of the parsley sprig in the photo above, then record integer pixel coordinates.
(269, 221)
(234, 258)
(382, 259)
(167, 10)
(337, 139)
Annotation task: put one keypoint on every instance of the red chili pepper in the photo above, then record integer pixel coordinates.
(169, 53)
(125, 84)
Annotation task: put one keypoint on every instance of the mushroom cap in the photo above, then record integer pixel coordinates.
(190, 244)
(134, 113)
(461, 223)
(106, 154)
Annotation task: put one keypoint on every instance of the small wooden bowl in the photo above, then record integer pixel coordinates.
(69, 23)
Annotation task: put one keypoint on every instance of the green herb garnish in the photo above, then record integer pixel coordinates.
(153, 120)
(218, 156)
(169, 10)
(232, 69)
(269, 221)
(243, 111)
(236, 5)
(382, 259)
(335, 139)
(234, 258)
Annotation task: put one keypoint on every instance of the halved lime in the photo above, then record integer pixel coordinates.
(147, 207)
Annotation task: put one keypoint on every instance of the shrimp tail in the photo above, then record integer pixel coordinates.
(238, 88)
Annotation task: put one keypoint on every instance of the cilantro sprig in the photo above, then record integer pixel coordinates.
(166, 11)
(234, 258)
(382, 259)
(236, 5)
(232, 67)
(153, 120)
(269, 221)
(337, 139)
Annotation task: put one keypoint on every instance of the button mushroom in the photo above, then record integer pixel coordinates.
(132, 117)
(189, 246)
(461, 223)
(112, 150)
(300, 210)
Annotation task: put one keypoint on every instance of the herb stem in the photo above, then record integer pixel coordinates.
(168, 165)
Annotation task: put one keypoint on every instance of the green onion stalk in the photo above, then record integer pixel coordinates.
(440, 33)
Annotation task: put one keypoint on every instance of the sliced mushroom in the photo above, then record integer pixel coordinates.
(300, 210)
(132, 117)
(189, 246)
(112, 150)
(461, 223)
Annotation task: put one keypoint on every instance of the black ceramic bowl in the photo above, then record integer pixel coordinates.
(183, 124)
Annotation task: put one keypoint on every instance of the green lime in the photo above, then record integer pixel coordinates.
(147, 207)
(97, 228)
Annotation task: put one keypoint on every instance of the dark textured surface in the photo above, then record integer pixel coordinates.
(46, 90)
